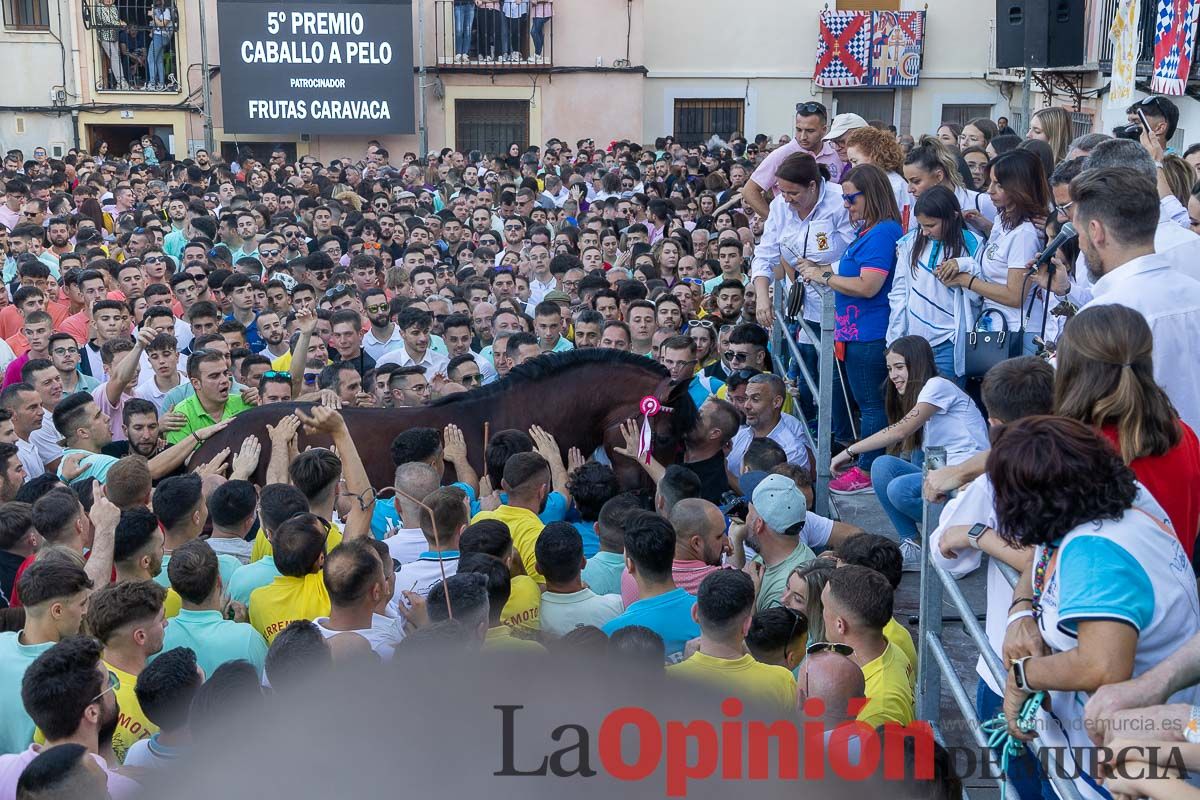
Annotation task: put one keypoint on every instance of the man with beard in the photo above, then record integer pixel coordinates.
(129, 620)
(138, 547)
(729, 298)
(765, 395)
(272, 332)
(70, 699)
(701, 544)
(139, 422)
(1116, 214)
(383, 335)
(772, 528)
(704, 448)
(59, 233)
(587, 329)
(12, 473)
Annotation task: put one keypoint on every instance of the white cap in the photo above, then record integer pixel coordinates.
(843, 124)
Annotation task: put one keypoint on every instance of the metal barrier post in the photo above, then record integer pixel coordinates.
(929, 677)
(784, 350)
(825, 367)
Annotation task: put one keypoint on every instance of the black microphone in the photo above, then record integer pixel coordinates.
(1065, 234)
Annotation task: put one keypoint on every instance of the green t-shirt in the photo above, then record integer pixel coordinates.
(198, 418)
(774, 580)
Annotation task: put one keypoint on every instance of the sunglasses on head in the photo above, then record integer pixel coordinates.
(830, 647)
(275, 374)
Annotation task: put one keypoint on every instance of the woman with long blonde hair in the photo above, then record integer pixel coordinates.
(1053, 126)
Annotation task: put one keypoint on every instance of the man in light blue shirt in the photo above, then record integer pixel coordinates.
(602, 573)
(55, 595)
(195, 575)
(663, 608)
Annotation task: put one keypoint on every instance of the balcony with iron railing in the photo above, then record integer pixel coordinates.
(494, 34)
(136, 45)
(1146, 25)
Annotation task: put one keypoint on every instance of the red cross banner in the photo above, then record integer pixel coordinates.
(869, 49)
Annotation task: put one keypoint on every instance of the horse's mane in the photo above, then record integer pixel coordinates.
(549, 365)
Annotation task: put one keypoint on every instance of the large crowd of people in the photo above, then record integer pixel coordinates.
(148, 300)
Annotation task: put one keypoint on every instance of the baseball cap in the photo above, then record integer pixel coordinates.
(843, 124)
(778, 500)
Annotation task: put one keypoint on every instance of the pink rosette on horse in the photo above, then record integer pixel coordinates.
(649, 406)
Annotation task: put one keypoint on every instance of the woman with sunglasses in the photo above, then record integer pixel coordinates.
(704, 333)
(861, 286)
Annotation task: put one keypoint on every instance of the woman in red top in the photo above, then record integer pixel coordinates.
(1105, 378)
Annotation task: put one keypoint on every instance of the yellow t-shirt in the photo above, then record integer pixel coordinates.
(899, 636)
(744, 677)
(172, 604)
(262, 545)
(522, 612)
(500, 640)
(525, 528)
(285, 600)
(889, 689)
(282, 363)
(132, 724)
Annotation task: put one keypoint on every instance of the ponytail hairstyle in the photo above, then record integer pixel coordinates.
(918, 355)
(930, 155)
(1105, 376)
(940, 203)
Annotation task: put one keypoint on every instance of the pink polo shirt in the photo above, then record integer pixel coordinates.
(764, 176)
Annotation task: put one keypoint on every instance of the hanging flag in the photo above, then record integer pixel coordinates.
(1174, 35)
(896, 41)
(869, 49)
(1126, 40)
(844, 49)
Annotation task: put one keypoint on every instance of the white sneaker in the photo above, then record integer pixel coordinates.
(911, 553)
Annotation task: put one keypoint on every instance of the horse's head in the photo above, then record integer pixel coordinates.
(671, 428)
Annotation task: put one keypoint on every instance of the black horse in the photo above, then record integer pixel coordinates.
(580, 396)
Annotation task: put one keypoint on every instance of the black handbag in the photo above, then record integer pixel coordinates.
(986, 349)
(794, 307)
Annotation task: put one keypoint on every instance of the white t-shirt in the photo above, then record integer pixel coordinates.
(406, 544)
(562, 613)
(421, 576)
(817, 530)
(383, 635)
(957, 425)
(976, 503)
(1005, 250)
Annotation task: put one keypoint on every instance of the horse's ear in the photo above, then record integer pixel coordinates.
(676, 391)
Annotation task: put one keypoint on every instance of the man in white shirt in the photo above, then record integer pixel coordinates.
(414, 325)
(357, 585)
(568, 604)
(451, 513)
(406, 542)
(765, 394)
(1116, 212)
(383, 336)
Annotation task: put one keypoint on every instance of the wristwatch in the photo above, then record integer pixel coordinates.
(825, 276)
(1018, 669)
(973, 535)
(1191, 731)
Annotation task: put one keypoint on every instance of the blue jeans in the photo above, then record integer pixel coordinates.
(1024, 770)
(897, 484)
(510, 34)
(943, 358)
(464, 18)
(865, 372)
(154, 60)
(537, 33)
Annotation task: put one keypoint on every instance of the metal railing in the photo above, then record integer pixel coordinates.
(470, 35)
(934, 665)
(129, 55)
(785, 351)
